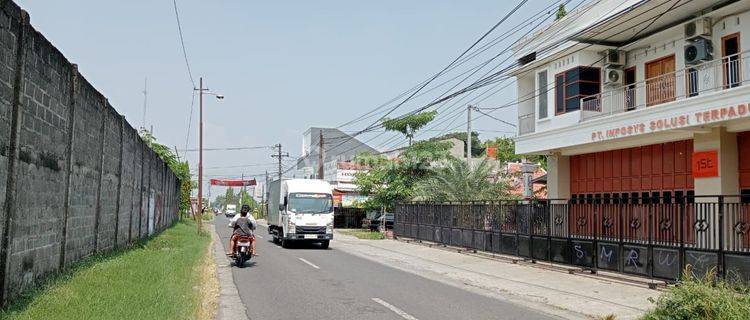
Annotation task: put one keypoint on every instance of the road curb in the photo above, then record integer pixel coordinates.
(230, 306)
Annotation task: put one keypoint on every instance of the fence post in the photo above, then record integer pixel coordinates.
(596, 205)
(119, 179)
(69, 161)
(720, 266)
(13, 149)
(103, 137)
(681, 219)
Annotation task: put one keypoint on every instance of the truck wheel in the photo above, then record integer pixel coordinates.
(324, 244)
(285, 243)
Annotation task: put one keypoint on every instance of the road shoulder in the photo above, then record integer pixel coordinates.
(230, 306)
(550, 291)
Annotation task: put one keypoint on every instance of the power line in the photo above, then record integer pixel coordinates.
(182, 42)
(518, 6)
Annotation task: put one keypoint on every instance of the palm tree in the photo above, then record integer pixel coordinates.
(458, 182)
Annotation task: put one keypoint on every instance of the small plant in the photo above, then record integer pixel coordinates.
(701, 298)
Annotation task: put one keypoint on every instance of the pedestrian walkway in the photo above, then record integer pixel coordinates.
(572, 296)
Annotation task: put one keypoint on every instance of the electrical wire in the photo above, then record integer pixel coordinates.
(182, 42)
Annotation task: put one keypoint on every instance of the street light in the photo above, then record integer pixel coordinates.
(201, 92)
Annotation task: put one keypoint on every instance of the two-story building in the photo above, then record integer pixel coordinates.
(630, 98)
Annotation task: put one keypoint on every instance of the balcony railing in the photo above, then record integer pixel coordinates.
(711, 76)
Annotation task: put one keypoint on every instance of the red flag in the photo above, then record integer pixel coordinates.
(233, 182)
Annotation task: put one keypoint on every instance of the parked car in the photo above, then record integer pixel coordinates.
(373, 219)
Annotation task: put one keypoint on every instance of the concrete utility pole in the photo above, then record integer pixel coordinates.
(200, 157)
(468, 135)
(201, 92)
(320, 156)
(280, 155)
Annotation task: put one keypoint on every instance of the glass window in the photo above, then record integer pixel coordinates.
(310, 203)
(542, 82)
(574, 84)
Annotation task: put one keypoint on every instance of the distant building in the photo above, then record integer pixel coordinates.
(337, 146)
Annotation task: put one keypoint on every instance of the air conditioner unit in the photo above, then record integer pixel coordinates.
(698, 28)
(698, 50)
(614, 58)
(613, 76)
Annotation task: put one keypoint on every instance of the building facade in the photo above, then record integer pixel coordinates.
(643, 111)
(636, 96)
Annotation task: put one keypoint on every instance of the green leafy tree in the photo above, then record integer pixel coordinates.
(392, 180)
(459, 182)
(506, 152)
(230, 197)
(180, 168)
(561, 12)
(409, 125)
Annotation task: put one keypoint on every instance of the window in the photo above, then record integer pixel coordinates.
(574, 84)
(542, 83)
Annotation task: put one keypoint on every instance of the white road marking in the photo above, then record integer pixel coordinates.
(309, 263)
(259, 236)
(394, 309)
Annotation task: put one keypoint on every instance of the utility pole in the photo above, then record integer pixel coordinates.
(281, 156)
(468, 135)
(265, 196)
(242, 190)
(200, 157)
(320, 156)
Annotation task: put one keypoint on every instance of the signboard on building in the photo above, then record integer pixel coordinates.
(705, 164)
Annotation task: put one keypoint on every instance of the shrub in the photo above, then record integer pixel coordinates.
(706, 298)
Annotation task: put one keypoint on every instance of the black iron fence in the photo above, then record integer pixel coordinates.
(655, 237)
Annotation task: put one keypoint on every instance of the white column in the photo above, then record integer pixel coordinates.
(558, 176)
(725, 143)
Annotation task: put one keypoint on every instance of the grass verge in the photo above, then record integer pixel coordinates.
(363, 234)
(161, 278)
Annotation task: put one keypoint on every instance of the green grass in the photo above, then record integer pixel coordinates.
(155, 279)
(702, 299)
(363, 234)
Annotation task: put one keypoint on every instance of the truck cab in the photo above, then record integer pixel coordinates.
(300, 210)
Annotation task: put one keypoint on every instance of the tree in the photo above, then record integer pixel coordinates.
(476, 145)
(506, 152)
(409, 125)
(459, 182)
(180, 168)
(389, 181)
(561, 12)
(230, 197)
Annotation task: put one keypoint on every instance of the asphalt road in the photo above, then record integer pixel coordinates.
(306, 282)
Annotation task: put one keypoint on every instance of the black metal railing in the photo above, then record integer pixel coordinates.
(650, 236)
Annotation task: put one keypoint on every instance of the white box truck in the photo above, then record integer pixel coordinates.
(230, 210)
(300, 210)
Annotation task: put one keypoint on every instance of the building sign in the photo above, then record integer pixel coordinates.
(705, 164)
(679, 121)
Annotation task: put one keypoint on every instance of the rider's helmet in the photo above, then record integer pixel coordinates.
(245, 208)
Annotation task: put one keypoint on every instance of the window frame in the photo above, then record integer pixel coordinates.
(545, 94)
(565, 84)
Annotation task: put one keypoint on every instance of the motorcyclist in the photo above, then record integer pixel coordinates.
(242, 225)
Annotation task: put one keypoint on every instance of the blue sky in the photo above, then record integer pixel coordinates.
(283, 65)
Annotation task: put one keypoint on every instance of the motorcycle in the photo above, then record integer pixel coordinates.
(242, 251)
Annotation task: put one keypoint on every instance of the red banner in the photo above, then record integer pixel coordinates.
(233, 182)
(492, 152)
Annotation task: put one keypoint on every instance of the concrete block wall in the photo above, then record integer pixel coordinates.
(75, 177)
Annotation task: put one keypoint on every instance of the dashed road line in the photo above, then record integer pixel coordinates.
(394, 309)
(309, 263)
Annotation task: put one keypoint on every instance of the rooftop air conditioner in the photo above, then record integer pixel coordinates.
(613, 76)
(698, 50)
(698, 28)
(614, 58)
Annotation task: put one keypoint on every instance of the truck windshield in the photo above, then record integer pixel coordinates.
(310, 203)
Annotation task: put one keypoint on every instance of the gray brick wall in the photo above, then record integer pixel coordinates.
(75, 178)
